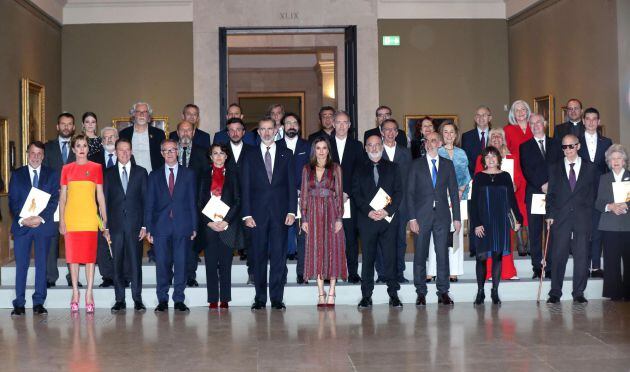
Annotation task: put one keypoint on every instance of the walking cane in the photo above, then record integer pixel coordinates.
(544, 264)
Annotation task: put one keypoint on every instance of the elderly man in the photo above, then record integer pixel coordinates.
(383, 113)
(190, 114)
(326, 114)
(144, 138)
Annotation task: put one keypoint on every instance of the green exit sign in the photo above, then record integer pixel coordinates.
(391, 40)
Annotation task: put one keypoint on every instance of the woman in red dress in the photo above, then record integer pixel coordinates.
(518, 131)
(321, 204)
(78, 221)
(497, 139)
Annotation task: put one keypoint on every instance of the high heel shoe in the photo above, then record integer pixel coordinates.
(481, 295)
(494, 294)
(89, 308)
(322, 300)
(74, 307)
(328, 304)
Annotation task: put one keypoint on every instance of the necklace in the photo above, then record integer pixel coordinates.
(492, 176)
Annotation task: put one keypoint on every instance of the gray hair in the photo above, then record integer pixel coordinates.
(133, 108)
(342, 112)
(511, 118)
(108, 128)
(617, 148)
(537, 115)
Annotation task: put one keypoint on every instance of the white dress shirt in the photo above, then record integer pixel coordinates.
(485, 134)
(591, 144)
(167, 172)
(576, 167)
(391, 151)
(619, 177)
(341, 145)
(437, 163)
(127, 167)
(272, 151)
(291, 143)
(61, 140)
(106, 156)
(236, 150)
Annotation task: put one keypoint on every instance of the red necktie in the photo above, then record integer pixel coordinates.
(171, 182)
(483, 140)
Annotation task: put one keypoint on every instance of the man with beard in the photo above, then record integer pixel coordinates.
(144, 138)
(234, 112)
(326, 114)
(190, 113)
(57, 153)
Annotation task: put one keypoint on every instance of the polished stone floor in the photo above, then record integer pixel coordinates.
(518, 336)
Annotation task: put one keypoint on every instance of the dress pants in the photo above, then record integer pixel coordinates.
(198, 245)
(352, 247)
(218, 257)
(22, 249)
(596, 242)
(127, 263)
(440, 230)
(579, 249)
(247, 240)
(269, 244)
(104, 259)
(401, 249)
(292, 239)
(171, 253)
(616, 280)
(455, 256)
(536, 225)
(373, 235)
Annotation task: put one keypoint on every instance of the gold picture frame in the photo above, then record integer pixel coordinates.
(160, 122)
(265, 99)
(544, 105)
(33, 114)
(412, 120)
(4, 155)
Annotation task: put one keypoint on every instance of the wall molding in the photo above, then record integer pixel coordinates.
(127, 11)
(436, 9)
(530, 11)
(39, 13)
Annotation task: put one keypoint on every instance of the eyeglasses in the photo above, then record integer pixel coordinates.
(290, 122)
(387, 116)
(169, 151)
(574, 108)
(571, 146)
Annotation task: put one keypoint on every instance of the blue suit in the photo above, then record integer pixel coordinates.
(171, 221)
(269, 203)
(222, 137)
(19, 187)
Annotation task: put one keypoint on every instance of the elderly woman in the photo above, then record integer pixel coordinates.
(518, 131)
(90, 130)
(419, 133)
(615, 226)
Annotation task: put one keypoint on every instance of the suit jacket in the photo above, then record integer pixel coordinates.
(156, 136)
(421, 195)
(471, 144)
(608, 220)
(321, 133)
(603, 143)
(230, 195)
(364, 190)
(223, 138)
(264, 200)
(301, 157)
(125, 211)
(571, 210)
(401, 137)
(353, 157)
(200, 138)
(534, 166)
(160, 204)
(52, 155)
(563, 129)
(402, 157)
(198, 161)
(20, 186)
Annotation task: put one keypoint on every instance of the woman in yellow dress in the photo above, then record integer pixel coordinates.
(78, 221)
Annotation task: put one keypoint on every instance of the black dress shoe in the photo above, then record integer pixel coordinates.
(403, 280)
(278, 306)
(429, 280)
(258, 305)
(445, 299)
(242, 254)
(494, 294)
(421, 300)
(139, 306)
(18, 311)
(580, 299)
(162, 307)
(40, 310)
(127, 283)
(365, 303)
(354, 279)
(50, 284)
(553, 300)
(119, 306)
(394, 301)
(453, 280)
(380, 280)
(250, 279)
(106, 283)
(291, 256)
(180, 306)
(597, 273)
(192, 283)
(481, 296)
(300, 280)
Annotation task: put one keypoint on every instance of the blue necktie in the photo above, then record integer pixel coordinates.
(110, 162)
(64, 152)
(434, 173)
(35, 178)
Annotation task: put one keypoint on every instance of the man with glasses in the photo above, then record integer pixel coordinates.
(570, 199)
(477, 138)
(383, 113)
(574, 125)
(145, 139)
(326, 114)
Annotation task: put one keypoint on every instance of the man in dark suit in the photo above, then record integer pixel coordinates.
(124, 187)
(145, 138)
(536, 155)
(170, 216)
(570, 199)
(234, 112)
(383, 113)
(57, 154)
(375, 228)
(301, 154)
(190, 113)
(430, 178)
(37, 230)
(402, 157)
(349, 154)
(326, 114)
(574, 125)
(269, 204)
(593, 148)
(476, 139)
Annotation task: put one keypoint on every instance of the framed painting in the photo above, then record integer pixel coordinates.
(563, 114)
(160, 122)
(257, 104)
(544, 106)
(411, 121)
(33, 113)
(4, 156)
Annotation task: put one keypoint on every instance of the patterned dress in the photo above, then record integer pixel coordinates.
(321, 204)
(81, 212)
(94, 145)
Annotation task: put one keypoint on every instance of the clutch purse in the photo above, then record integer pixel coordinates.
(512, 219)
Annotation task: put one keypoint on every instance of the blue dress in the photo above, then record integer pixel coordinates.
(460, 161)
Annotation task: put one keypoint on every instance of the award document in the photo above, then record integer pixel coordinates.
(299, 212)
(621, 191)
(539, 203)
(507, 165)
(346, 209)
(35, 203)
(215, 209)
(380, 201)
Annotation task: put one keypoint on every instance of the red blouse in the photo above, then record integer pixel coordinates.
(218, 178)
(514, 137)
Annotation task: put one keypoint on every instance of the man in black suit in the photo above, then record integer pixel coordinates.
(574, 125)
(383, 113)
(349, 154)
(58, 153)
(145, 138)
(124, 187)
(476, 139)
(190, 113)
(536, 155)
(326, 114)
(570, 200)
(430, 178)
(269, 204)
(593, 148)
(234, 111)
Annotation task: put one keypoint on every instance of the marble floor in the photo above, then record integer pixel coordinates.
(518, 336)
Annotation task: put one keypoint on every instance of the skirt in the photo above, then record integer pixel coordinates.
(81, 246)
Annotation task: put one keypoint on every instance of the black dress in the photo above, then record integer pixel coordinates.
(491, 201)
(94, 145)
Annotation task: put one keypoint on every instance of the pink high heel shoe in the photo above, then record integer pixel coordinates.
(89, 308)
(74, 307)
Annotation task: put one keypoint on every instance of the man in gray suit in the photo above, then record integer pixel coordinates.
(429, 180)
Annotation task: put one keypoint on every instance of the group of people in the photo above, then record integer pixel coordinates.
(315, 199)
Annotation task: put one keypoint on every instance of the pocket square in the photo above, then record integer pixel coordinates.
(626, 179)
(302, 153)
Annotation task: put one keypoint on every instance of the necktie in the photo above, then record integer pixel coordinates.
(64, 151)
(110, 161)
(572, 177)
(434, 173)
(375, 174)
(542, 147)
(268, 164)
(125, 180)
(35, 178)
(171, 182)
(483, 140)
(184, 157)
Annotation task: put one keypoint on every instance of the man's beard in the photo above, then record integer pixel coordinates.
(185, 141)
(291, 133)
(109, 148)
(375, 156)
(237, 142)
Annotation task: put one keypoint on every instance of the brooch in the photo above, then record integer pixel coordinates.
(87, 173)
